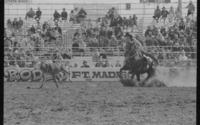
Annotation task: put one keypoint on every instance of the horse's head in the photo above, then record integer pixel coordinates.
(151, 59)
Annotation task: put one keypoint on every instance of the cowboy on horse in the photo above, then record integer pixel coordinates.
(137, 61)
(134, 49)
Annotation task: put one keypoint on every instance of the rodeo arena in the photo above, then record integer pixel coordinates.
(107, 62)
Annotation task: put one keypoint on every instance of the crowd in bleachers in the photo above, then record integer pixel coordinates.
(108, 31)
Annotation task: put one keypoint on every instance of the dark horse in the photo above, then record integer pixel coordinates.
(146, 64)
(56, 70)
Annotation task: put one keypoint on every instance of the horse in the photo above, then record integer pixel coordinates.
(56, 70)
(146, 64)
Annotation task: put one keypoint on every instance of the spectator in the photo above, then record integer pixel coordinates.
(106, 64)
(171, 14)
(64, 15)
(178, 13)
(9, 24)
(56, 16)
(72, 16)
(81, 15)
(164, 14)
(134, 20)
(38, 14)
(117, 64)
(85, 65)
(6, 62)
(182, 25)
(75, 65)
(182, 56)
(38, 26)
(191, 8)
(30, 14)
(15, 24)
(99, 64)
(20, 23)
(32, 30)
(58, 28)
(157, 14)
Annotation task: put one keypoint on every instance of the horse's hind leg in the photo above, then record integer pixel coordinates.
(150, 73)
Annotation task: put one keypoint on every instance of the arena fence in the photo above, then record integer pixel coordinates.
(164, 57)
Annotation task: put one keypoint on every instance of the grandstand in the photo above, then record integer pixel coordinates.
(94, 9)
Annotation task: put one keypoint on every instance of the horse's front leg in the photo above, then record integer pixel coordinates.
(44, 80)
(138, 77)
(55, 80)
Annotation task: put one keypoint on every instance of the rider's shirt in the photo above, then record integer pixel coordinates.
(133, 48)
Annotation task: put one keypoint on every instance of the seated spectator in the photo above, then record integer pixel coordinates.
(164, 14)
(182, 56)
(106, 64)
(103, 56)
(182, 25)
(75, 65)
(6, 62)
(157, 14)
(38, 26)
(30, 14)
(99, 64)
(56, 16)
(58, 28)
(163, 31)
(85, 65)
(38, 14)
(117, 64)
(15, 24)
(16, 64)
(64, 15)
(32, 30)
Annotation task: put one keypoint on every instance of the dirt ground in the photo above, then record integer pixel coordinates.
(103, 103)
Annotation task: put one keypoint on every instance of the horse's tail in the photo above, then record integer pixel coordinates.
(152, 57)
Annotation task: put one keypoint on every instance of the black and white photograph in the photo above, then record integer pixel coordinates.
(100, 62)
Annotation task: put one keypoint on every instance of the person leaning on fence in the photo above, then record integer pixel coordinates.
(157, 14)
(164, 14)
(64, 15)
(30, 14)
(56, 16)
(191, 8)
(171, 14)
(20, 23)
(38, 14)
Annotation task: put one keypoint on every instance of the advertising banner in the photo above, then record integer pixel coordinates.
(13, 74)
(94, 74)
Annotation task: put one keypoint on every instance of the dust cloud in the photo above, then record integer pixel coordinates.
(177, 76)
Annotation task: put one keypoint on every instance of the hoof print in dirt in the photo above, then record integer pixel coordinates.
(129, 82)
(155, 83)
